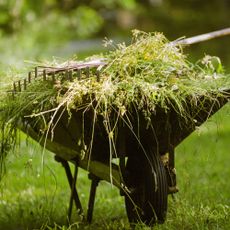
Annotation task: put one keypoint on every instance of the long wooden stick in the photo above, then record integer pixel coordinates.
(203, 37)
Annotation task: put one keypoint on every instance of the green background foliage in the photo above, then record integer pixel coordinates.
(55, 21)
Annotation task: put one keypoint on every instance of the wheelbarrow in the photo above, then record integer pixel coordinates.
(145, 172)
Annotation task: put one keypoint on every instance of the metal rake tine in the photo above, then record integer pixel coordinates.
(67, 74)
(71, 75)
(29, 77)
(36, 72)
(14, 87)
(87, 72)
(19, 86)
(79, 74)
(44, 74)
(25, 84)
(98, 75)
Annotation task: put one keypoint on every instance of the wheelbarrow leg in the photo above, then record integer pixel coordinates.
(72, 183)
(94, 184)
(74, 195)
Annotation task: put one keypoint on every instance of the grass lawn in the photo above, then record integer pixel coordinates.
(35, 195)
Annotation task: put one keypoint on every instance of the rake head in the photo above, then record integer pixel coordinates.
(68, 72)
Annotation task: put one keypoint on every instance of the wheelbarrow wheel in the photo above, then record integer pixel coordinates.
(148, 197)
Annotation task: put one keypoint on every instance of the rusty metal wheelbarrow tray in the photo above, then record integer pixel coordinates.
(167, 130)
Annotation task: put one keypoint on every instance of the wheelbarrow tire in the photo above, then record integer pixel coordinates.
(148, 198)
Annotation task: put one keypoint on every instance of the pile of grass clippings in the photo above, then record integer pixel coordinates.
(150, 72)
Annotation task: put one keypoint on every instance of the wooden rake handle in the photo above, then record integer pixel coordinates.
(203, 37)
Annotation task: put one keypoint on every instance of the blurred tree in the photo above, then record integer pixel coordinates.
(119, 15)
(73, 19)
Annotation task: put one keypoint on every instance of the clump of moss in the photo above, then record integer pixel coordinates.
(151, 72)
